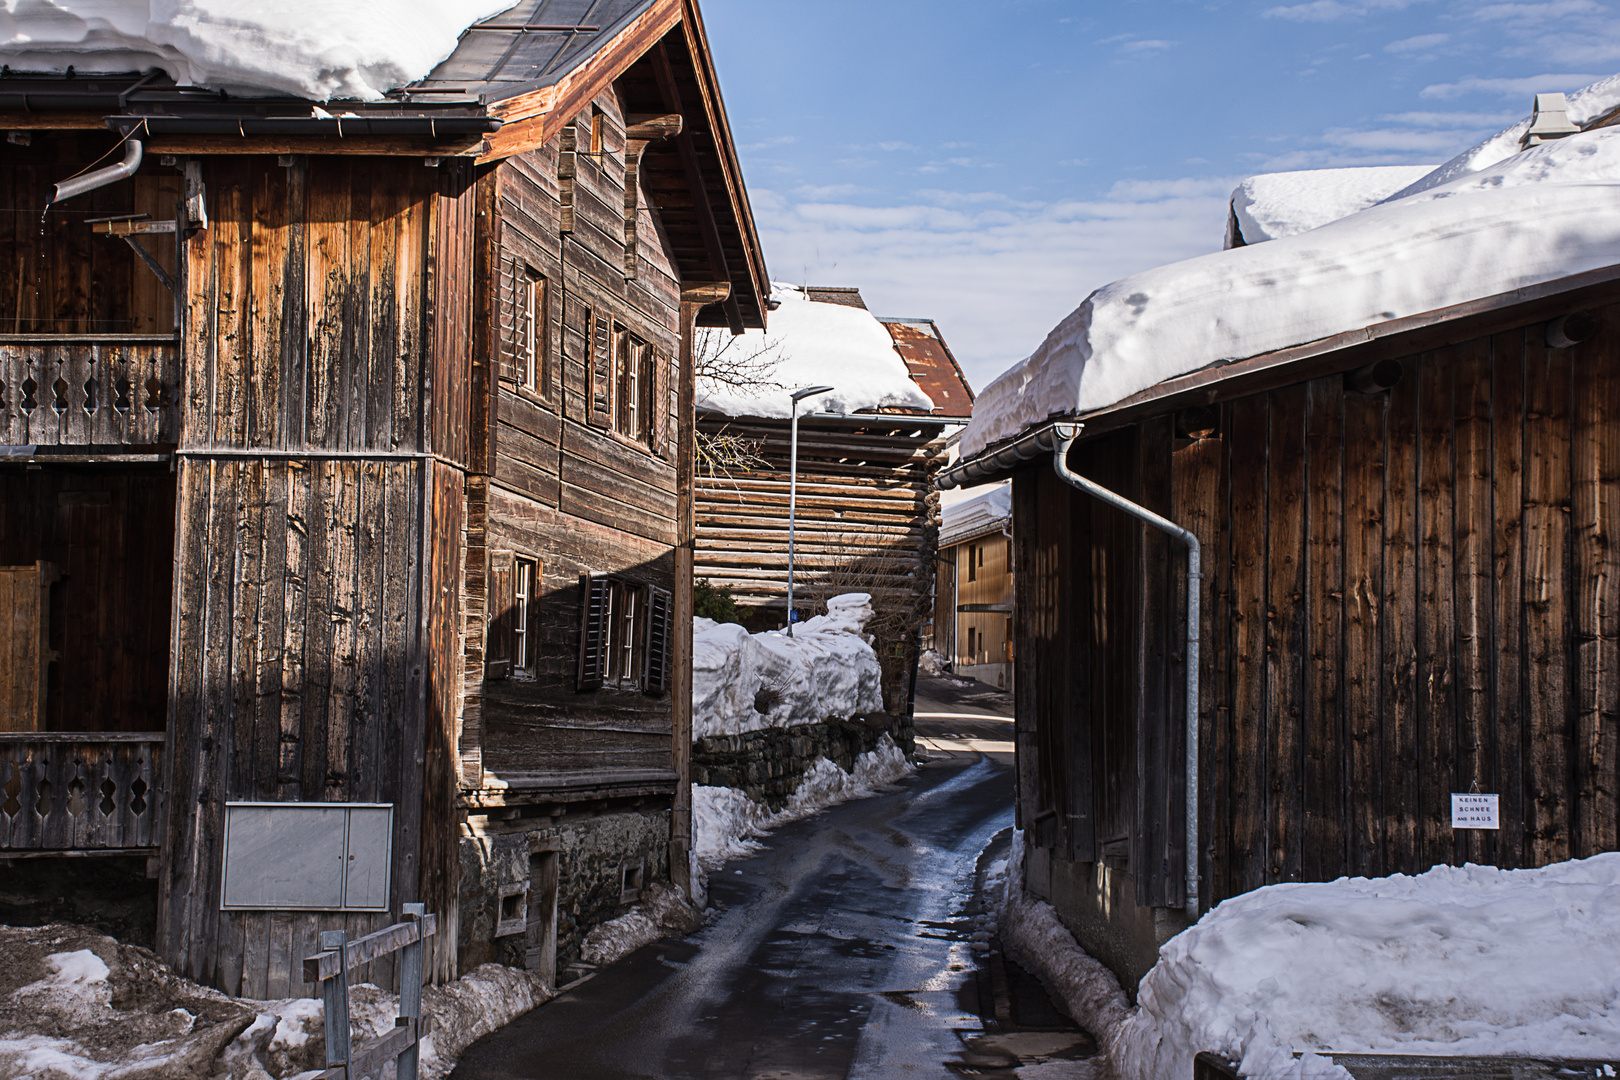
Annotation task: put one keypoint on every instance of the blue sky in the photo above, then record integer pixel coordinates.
(987, 165)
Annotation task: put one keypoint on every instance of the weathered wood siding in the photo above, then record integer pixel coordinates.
(1407, 594)
(325, 434)
(562, 489)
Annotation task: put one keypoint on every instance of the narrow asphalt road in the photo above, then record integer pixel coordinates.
(841, 951)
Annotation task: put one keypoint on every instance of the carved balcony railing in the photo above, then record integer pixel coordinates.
(89, 390)
(80, 791)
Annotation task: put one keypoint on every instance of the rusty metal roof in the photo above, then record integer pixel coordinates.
(932, 367)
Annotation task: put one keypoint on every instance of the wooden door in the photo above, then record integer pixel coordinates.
(25, 653)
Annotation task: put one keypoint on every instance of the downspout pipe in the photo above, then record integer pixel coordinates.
(78, 185)
(1064, 438)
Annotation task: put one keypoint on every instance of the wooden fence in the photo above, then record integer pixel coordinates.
(103, 390)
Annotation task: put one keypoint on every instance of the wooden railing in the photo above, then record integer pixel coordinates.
(93, 389)
(339, 956)
(80, 791)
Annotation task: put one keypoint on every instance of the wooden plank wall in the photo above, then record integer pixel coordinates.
(317, 648)
(56, 276)
(573, 496)
(1408, 594)
(111, 536)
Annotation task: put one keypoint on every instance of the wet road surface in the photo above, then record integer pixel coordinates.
(842, 950)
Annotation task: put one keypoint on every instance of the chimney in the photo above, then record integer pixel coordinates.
(1549, 121)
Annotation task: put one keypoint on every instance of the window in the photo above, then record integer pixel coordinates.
(596, 135)
(632, 390)
(531, 331)
(973, 651)
(524, 575)
(972, 561)
(625, 634)
(512, 640)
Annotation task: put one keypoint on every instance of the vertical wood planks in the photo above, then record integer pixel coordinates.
(1548, 390)
(1323, 852)
(1363, 622)
(1472, 596)
(1595, 593)
(1285, 637)
(1399, 639)
(1507, 564)
(1248, 433)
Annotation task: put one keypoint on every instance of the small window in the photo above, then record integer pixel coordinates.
(973, 650)
(596, 134)
(972, 561)
(532, 324)
(525, 575)
(630, 883)
(624, 635)
(633, 376)
(512, 643)
(980, 549)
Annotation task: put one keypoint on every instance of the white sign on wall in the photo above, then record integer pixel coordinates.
(1474, 812)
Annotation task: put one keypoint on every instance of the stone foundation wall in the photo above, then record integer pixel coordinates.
(592, 854)
(768, 765)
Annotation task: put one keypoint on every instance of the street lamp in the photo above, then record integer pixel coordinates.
(793, 487)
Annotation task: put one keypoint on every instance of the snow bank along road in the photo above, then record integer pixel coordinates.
(842, 950)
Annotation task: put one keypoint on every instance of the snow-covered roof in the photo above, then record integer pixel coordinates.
(983, 513)
(1274, 205)
(308, 49)
(1522, 219)
(815, 343)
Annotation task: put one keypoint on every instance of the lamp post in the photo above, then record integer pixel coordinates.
(793, 488)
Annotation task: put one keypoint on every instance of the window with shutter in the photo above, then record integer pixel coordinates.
(531, 331)
(525, 615)
(498, 624)
(594, 597)
(659, 651)
(601, 371)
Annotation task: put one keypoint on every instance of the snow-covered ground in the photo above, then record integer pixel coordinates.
(748, 682)
(1457, 961)
(1492, 220)
(308, 49)
(810, 343)
(77, 1005)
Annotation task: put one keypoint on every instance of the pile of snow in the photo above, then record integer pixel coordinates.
(1485, 223)
(749, 682)
(663, 912)
(1274, 205)
(307, 49)
(77, 1004)
(725, 821)
(1459, 961)
(818, 344)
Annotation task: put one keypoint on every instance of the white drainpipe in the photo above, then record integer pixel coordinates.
(1056, 440)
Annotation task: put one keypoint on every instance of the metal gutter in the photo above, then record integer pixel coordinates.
(1056, 439)
(341, 126)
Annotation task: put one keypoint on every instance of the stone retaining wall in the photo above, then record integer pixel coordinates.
(768, 765)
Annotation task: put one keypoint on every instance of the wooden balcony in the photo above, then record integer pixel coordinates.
(82, 793)
(89, 390)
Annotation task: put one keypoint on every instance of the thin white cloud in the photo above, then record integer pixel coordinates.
(1332, 10)
(1556, 9)
(1508, 88)
(1139, 48)
(1420, 43)
(997, 274)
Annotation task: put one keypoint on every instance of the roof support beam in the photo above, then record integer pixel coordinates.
(671, 94)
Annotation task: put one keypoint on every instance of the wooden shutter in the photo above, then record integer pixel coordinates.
(660, 650)
(601, 372)
(660, 403)
(593, 631)
(502, 610)
(25, 652)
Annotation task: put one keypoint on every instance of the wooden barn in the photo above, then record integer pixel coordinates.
(1408, 538)
(867, 513)
(346, 497)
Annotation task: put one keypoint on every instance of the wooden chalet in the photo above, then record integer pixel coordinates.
(867, 512)
(347, 472)
(1409, 537)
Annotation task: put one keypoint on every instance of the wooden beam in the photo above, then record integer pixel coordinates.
(651, 128)
(707, 226)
